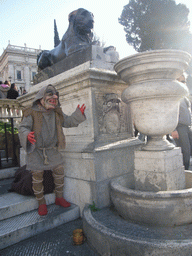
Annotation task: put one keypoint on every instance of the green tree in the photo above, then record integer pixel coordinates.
(156, 24)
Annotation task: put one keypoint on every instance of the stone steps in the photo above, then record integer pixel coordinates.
(5, 185)
(6, 178)
(19, 217)
(13, 204)
(28, 224)
(7, 173)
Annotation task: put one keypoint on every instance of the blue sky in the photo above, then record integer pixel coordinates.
(32, 22)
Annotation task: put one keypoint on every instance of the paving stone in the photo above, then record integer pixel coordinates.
(55, 242)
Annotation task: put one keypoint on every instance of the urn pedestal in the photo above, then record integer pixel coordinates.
(159, 170)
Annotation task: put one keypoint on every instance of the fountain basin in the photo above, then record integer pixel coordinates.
(163, 208)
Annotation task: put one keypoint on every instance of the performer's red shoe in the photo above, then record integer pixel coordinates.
(62, 202)
(42, 209)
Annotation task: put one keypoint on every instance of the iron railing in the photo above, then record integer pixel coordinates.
(10, 112)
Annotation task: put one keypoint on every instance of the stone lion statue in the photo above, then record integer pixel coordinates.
(78, 35)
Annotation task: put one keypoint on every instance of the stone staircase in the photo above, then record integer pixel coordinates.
(19, 218)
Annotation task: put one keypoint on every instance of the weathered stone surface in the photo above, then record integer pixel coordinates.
(163, 208)
(160, 170)
(88, 175)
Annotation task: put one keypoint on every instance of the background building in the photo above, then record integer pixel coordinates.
(19, 65)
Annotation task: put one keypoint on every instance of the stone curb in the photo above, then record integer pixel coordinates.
(108, 241)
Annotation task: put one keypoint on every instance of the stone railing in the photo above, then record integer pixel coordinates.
(23, 49)
(10, 109)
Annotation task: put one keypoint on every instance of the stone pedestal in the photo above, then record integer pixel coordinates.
(159, 171)
(88, 175)
(101, 148)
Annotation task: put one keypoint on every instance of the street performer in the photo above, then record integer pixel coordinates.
(41, 135)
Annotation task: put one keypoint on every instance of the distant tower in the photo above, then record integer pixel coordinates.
(56, 35)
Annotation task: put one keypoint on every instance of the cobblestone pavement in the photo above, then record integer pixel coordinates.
(55, 242)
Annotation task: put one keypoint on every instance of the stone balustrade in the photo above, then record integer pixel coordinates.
(23, 49)
(10, 109)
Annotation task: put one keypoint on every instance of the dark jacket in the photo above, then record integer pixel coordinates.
(12, 94)
(185, 112)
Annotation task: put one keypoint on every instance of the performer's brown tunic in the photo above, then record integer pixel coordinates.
(44, 154)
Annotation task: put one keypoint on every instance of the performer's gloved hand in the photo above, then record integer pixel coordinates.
(82, 108)
(31, 137)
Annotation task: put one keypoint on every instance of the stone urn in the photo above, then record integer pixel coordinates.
(161, 194)
(153, 92)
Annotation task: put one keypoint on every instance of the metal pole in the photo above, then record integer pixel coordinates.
(6, 143)
(14, 159)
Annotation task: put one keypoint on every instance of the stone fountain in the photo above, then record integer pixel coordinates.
(155, 209)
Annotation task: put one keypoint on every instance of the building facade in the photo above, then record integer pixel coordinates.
(19, 65)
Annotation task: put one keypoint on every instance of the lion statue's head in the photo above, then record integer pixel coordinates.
(82, 22)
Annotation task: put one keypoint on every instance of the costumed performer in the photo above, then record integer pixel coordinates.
(42, 137)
